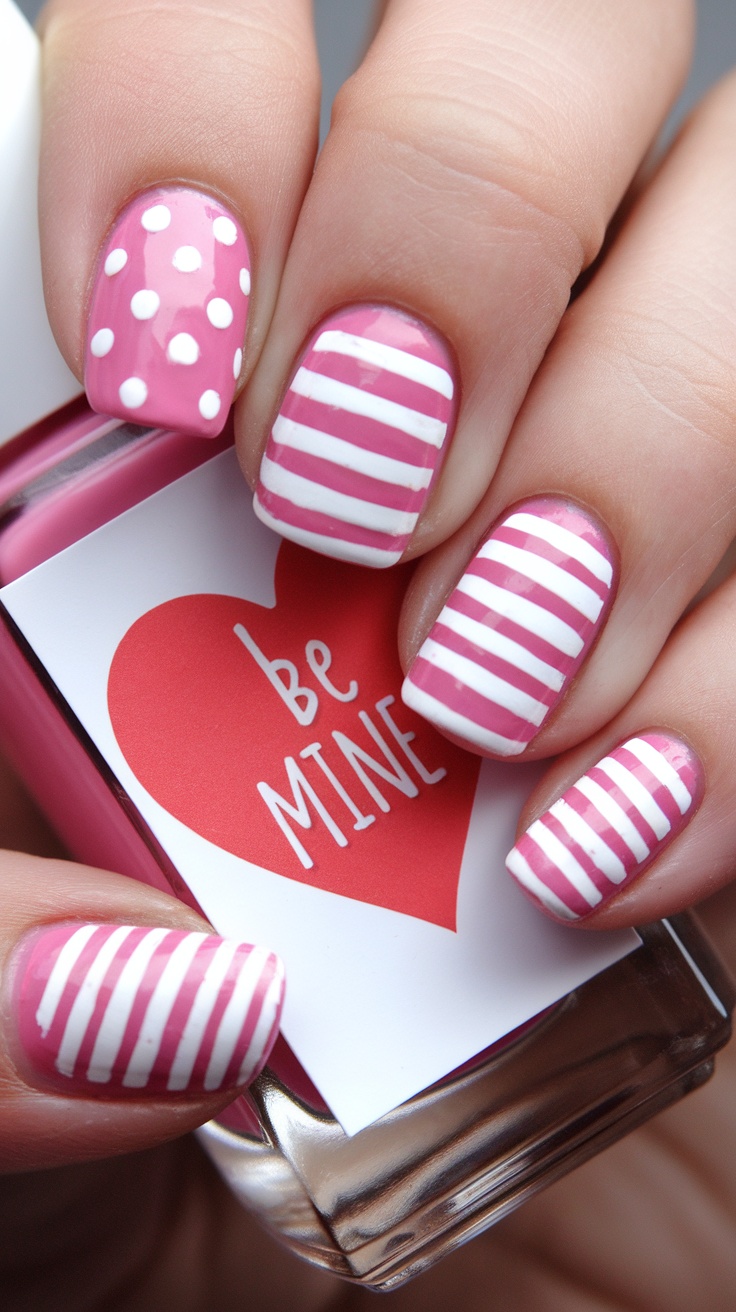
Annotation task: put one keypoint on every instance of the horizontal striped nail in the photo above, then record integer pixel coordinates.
(126, 1009)
(609, 826)
(360, 436)
(516, 629)
(167, 318)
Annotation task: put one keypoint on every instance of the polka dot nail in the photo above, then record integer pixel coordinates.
(168, 313)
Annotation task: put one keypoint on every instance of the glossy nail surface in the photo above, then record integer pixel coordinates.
(360, 436)
(168, 313)
(516, 629)
(609, 826)
(127, 1009)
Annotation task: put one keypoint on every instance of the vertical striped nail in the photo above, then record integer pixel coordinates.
(122, 1008)
(516, 629)
(167, 317)
(360, 436)
(609, 826)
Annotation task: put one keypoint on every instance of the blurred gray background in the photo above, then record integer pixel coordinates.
(342, 26)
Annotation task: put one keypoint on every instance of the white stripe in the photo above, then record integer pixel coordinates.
(193, 1032)
(521, 870)
(523, 612)
(264, 1026)
(148, 1044)
(636, 793)
(350, 510)
(484, 682)
(300, 437)
(549, 576)
(391, 358)
(565, 862)
(659, 766)
(59, 977)
(615, 815)
(338, 548)
(592, 844)
(564, 540)
(354, 401)
(441, 715)
(86, 1000)
(117, 1012)
(233, 1017)
(497, 644)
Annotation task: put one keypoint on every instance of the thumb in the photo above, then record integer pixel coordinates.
(124, 1020)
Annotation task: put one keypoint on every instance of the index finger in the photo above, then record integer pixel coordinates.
(207, 111)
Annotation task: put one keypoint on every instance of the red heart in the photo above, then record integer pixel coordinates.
(201, 725)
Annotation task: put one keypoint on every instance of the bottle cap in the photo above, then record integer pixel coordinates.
(34, 380)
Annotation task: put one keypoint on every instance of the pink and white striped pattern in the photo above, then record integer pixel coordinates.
(516, 629)
(124, 1008)
(359, 438)
(609, 826)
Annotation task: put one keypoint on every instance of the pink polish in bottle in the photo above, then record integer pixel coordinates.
(200, 707)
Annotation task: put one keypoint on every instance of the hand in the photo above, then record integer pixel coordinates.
(475, 162)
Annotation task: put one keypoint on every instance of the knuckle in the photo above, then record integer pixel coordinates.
(445, 147)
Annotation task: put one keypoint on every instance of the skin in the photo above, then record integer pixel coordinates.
(476, 161)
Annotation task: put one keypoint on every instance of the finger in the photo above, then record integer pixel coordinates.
(465, 182)
(652, 796)
(631, 421)
(125, 1020)
(177, 144)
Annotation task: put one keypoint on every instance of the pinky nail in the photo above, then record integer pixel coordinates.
(168, 312)
(609, 826)
(137, 1011)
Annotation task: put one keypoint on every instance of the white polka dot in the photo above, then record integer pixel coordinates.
(157, 218)
(237, 363)
(145, 304)
(116, 261)
(102, 342)
(224, 230)
(183, 349)
(219, 312)
(133, 393)
(187, 259)
(209, 404)
(245, 282)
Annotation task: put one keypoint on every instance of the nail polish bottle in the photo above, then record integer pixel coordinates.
(109, 713)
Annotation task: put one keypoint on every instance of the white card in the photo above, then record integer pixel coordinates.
(246, 695)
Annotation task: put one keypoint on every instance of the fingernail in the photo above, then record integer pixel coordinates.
(131, 1010)
(516, 629)
(167, 318)
(360, 436)
(609, 826)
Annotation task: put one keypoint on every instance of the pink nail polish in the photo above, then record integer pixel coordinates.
(167, 318)
(131, 525)
(606, 829)
(121, 1009)
(516, 629)
(360, 436)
